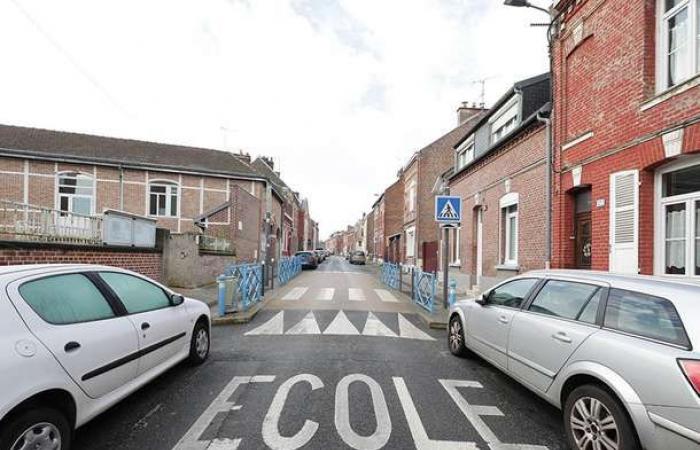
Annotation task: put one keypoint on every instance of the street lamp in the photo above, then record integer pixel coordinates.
(523, 4)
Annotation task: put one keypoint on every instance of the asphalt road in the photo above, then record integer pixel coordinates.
(331, 363)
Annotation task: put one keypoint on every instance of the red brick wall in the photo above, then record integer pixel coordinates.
(393, 210)
(603, 84)
(247, 214)
(145, 263)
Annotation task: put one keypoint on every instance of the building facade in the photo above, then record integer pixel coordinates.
(627, 137)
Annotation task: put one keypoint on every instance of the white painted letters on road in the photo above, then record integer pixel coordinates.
(270, 428)
(381, 434)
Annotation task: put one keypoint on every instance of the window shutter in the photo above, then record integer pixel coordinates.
(624, 222)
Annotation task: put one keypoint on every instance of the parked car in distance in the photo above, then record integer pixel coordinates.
(616, 353)
(358, 257)
(320, 255)
(79, 338)
(308, 259)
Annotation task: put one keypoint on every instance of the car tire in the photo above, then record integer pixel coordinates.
(44, 423)
(611, 421)
(200, 344)
(455, 337)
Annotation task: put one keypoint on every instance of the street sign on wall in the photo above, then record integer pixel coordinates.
(448, 209)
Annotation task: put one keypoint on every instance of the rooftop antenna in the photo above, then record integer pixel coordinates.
(482, 82)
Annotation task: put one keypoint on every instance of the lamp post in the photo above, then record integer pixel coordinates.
(553, 16)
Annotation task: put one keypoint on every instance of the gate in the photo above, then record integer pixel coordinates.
(240, 287)
(424, 288)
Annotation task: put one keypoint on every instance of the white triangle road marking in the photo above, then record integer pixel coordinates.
(341, 325)
(375, 327)
(386, 296)
(307, 325)
(273, 326)
(410, 331)
(296, 293)
(355, 294)
(326, 294)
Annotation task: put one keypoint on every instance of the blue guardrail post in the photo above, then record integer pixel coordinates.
(221, 280)
(452, 293)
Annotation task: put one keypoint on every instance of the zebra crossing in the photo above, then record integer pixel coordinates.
(331, 294)
(341, 325)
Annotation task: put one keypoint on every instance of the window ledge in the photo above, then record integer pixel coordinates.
(671, 92)
(509, 267)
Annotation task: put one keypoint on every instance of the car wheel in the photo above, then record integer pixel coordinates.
(199, 347)
(595, 419)
(39, 428)
(455, 337)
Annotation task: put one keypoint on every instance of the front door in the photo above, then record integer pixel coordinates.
(584, 241)
(430, 256)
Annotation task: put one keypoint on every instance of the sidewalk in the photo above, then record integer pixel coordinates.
(209, 294)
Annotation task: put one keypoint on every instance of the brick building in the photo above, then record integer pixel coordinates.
(393, 204)
(378, 229)
(626, 137)
(420, 232)
(499, 172)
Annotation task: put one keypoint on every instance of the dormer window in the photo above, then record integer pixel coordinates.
(505, 120)
(465, 153)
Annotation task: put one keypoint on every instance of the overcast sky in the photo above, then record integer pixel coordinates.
(339, 92)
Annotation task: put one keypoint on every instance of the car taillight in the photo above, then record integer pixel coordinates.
(691, 369)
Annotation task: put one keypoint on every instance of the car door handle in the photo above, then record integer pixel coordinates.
(71, 346)
(562, 337)
(145, 326)
(503, 319)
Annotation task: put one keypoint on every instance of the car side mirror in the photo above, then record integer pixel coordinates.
(483, 300)
(177, 299)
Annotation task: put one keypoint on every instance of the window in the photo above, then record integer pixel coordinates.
(453, 256)
(568, 300)
(505, 120)
(410, 242)
(66, 299)
(411, 196)
(509, 220)
(513, 293)
(76, 193)
(644, 315)
(137, 295)
(679, 41)
(163, 199)
(680, 222)
(465, 153)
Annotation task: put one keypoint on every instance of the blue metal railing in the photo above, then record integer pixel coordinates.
(240, 287)
(390, 275)
(424, 289)
(288, 268)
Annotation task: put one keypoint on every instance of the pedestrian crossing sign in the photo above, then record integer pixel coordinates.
(448, 209)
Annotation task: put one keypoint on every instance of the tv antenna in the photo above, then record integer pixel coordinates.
(482, 82)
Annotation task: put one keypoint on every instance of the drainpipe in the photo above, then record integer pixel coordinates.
(548, 189)
(121, 188)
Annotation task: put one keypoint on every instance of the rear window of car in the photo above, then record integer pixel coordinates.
(66, 299)
(646, 316)
(303, 254)
(359, 253)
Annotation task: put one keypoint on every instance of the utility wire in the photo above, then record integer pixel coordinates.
(74, 62)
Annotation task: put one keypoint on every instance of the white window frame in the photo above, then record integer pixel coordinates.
(168, 185)
(412, 196)
(498, 123)
(455, 236)
(465, 152)
(693, 42)
(660, 204)
(410, 242)
(58, 194)
(508, 200)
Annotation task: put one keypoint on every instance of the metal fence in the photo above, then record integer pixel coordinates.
(288, 268)
(421, 286)
(391, 275)
(24, 222)
(240, 287)
(424, 289)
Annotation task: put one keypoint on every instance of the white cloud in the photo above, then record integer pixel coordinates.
(340, 92)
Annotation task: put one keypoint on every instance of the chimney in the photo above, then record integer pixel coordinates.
(467, 111)
(268, 160)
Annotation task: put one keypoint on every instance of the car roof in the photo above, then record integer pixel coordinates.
(22, 270)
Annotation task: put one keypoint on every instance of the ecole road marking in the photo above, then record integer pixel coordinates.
(193, 439)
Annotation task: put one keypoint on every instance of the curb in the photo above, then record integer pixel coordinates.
(240, 317)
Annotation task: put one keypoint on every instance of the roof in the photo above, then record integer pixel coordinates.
(76, 147)
(263, 169)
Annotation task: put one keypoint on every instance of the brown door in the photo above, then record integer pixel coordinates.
(583, 241)
(430, 256)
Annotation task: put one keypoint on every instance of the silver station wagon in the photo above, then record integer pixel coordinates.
(619, 355)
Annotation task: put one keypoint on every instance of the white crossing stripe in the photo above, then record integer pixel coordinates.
(272, 326)
(355, 294)
(296, 293)
(386, 296)
(374, 327)
(341, 325)
(410, 331)
(326, 294)
(307, 325)
(224, 444)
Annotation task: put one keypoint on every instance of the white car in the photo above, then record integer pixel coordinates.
(76, 339)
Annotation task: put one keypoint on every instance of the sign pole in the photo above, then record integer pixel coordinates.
(445, 266)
